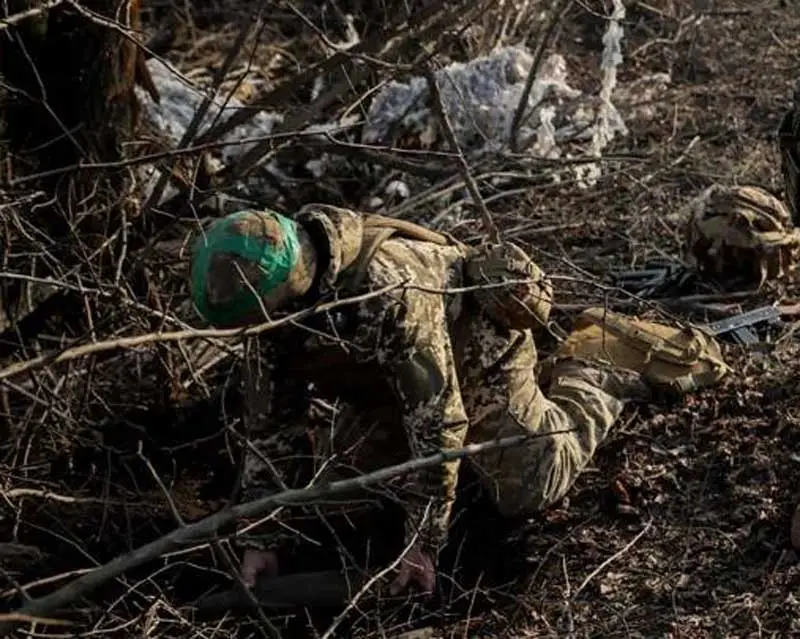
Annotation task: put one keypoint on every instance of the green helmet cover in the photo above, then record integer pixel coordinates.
(275, 257)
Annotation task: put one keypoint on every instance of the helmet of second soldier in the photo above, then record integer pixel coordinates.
(248, 264)
(741, 231)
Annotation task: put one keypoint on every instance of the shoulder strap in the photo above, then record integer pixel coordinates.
(378, 229)
(372, 239)
(406, 229)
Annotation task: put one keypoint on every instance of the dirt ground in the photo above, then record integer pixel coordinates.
(679, 529)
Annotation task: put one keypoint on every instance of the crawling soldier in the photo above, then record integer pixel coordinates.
(437, 352)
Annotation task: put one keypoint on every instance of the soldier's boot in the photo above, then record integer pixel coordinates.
(669, 359)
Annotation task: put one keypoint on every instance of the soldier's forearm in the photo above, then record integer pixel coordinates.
(429, 506)
(427, 524)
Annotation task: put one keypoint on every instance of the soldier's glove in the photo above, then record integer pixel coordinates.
(257, 564)
(512, 289)
(741, 232)
(672, 360)
(417, 568)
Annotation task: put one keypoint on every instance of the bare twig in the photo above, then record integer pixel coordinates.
(558, 11)
(93, 348)
(16, 618)
(371, 581)
(16, 18)
(685, 301)
(194, 125)
(15, 493)
(472, 186)
(612, 558)
(177, 336)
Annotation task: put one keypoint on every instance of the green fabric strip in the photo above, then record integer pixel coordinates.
(275, 262)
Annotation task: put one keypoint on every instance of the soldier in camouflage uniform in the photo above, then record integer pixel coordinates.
(435, 355)
(789, 147)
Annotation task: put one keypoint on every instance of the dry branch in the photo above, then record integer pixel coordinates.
(466, 174)
(191, 131)
(33, 12)
(178, 336)
(558, 11)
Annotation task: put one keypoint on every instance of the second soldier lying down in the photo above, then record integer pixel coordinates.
(418, 368)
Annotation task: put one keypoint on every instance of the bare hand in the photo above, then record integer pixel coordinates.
(415, 568)
(256, 563)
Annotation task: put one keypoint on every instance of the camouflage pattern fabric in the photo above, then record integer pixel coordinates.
(741, 232)
(418, 370)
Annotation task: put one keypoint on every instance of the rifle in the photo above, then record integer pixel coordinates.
(740, 325)
(655, 279)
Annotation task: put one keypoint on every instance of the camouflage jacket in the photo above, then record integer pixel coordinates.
(391, 347)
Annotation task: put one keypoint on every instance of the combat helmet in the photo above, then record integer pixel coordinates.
(248, 264)
(741, 231)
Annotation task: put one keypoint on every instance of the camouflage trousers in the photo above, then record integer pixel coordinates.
(502, 400)
(567, 426)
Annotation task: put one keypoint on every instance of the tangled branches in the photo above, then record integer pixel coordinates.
(116, 400)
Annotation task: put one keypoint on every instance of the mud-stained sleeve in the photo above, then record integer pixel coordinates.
(409, 335)
(275, 433)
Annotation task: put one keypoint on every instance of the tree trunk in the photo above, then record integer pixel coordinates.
(72, 74)
(69, 71)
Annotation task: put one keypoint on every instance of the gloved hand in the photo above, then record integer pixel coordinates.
(416, 568)
(526, 303)
(258, 563)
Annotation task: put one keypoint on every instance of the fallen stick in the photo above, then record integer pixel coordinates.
(178, 336)
(666, 301)
(612, 558)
